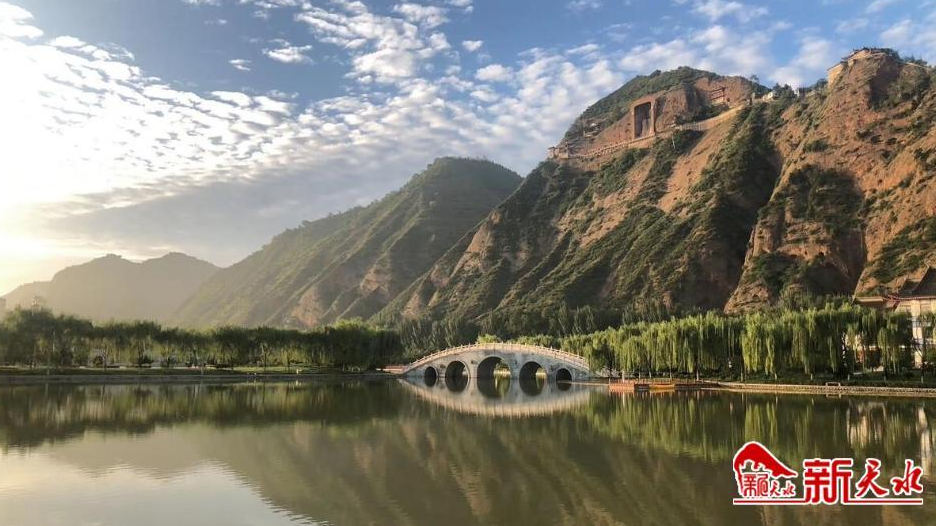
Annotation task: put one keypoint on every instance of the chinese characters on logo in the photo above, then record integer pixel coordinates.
(764, 479)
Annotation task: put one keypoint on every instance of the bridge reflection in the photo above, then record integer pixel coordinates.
(499, 396)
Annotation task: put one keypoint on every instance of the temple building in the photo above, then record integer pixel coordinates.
(918, 298)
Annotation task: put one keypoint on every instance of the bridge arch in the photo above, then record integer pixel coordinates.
(456, 376)
(480, 360)
(563, 379)
(563, 375)
(530, 369)
(431, 376)
(487, 367)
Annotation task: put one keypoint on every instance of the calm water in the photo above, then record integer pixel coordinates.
(388, 453)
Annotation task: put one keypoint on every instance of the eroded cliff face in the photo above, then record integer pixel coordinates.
(669, 223)
(854, 205)
(829, 193)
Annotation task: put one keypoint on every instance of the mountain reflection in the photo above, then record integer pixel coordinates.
(405, 453)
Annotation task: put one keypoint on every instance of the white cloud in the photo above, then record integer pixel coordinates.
(851, 25)
(13, 22)
(879, 5)
(718, 48)
(485, 95)
(718, 9)
(426, 15)
(369, 38)
(235, 97)
(472, 45)
(494, 73)
(241, 64)
(901, 33)
(914, 37)
(590, 51)
(387, 64)
(289, 54)
(810, 63)
(584, 5)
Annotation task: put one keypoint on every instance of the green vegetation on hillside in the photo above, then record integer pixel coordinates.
(352, 264)
(824, 197)
(829, 202)
(912, 248)
(540, 251)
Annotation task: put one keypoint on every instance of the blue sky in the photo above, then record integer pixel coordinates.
(207, 126)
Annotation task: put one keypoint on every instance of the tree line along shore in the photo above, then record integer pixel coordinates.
(799, 344)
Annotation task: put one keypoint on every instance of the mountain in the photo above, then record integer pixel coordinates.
(25, 294)
(353, 263)
(697, 190)
(112, 287)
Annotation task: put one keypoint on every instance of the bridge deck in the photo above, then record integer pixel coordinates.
(572, 359)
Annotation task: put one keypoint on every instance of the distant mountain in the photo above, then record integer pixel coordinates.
(677, 188)
(25, 294)
(353, 263)
(112, 287)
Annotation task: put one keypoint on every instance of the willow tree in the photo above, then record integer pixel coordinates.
(895, 339)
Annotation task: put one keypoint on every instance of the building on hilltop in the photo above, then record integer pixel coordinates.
(654, 115)
(865, 53)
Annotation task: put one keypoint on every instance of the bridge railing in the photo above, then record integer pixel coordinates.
(510, 347)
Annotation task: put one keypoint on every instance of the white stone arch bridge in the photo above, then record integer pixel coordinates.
(481, 359)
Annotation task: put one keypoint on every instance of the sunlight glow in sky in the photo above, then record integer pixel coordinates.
(208, 126)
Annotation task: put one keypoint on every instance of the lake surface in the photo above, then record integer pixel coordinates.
(391, 452)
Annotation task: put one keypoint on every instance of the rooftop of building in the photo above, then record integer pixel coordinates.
(923, 287)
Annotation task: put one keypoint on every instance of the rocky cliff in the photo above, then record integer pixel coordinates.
(825, 192)
(853, 209)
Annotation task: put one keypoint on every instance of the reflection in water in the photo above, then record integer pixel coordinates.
(404, 453)
(501, 395)
(431, 376)
(456, 376)
(533, 385)
(494, 387)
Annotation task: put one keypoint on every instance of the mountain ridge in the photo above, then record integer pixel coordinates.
(351, 264)
(114, 288)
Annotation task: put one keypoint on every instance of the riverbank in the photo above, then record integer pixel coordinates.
(851, 390)
(177, 376)
(831, 388)
(127, 376)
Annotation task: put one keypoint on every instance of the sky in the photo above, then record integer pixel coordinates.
(140, 127)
